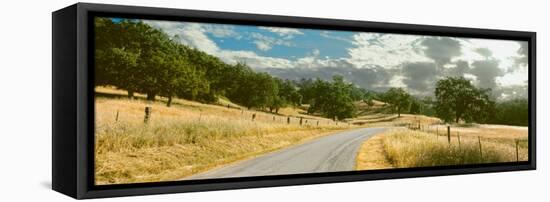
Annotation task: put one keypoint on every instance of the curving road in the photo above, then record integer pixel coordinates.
(331, 153)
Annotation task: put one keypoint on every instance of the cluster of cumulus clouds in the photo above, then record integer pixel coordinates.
(374, 61)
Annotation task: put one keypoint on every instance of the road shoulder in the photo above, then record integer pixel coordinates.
(372, 156)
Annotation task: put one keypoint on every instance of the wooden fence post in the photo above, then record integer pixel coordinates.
(458, 136)
(253, 116)
(288, 120)
(147, 114)
(480, 150)
(449, 134)
(317, 122)
(273, 118)
(517, 150)
(116, 118)
(301, 119)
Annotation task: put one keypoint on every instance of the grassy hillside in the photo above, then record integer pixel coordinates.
(187, 138)
(363, 108)
(388, 120)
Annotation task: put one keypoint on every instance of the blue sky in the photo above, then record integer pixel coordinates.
(376, 61)
(299, 45)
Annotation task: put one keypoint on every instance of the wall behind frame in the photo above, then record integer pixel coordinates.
(25, 107)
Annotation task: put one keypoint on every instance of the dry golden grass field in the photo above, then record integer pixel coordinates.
(192, 137)
(402, 148)
(187, 138)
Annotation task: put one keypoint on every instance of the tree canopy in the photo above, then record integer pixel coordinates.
(398, 98)
(332, 99)
(457, 98)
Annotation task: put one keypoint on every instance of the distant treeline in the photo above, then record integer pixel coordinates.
(136, 57)
(512, 112)
(457, 99)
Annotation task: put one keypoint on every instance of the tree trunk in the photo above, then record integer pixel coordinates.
(458, 111)
(169, 101)
(398, 112)
(131, 94)
(151, 96)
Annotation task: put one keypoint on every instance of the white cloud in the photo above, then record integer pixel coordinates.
(517, 77)
(470, 77)
(397, 82)
(191, 34)
(265, 43)
(504, 51)
(315, 52)
(194, 35)
(386, 50)
(287, 33)
(254, 60)
(222, 31)
(327, 34)
(262, 45)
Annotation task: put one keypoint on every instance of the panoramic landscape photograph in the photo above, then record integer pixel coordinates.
(178, 101)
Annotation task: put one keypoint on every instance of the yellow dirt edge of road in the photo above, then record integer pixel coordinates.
(371, 155)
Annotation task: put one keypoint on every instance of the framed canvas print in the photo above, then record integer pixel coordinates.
(155, 100)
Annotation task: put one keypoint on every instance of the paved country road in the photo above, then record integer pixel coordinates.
(331, 153)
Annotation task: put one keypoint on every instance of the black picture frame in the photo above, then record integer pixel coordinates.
(73, 100)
